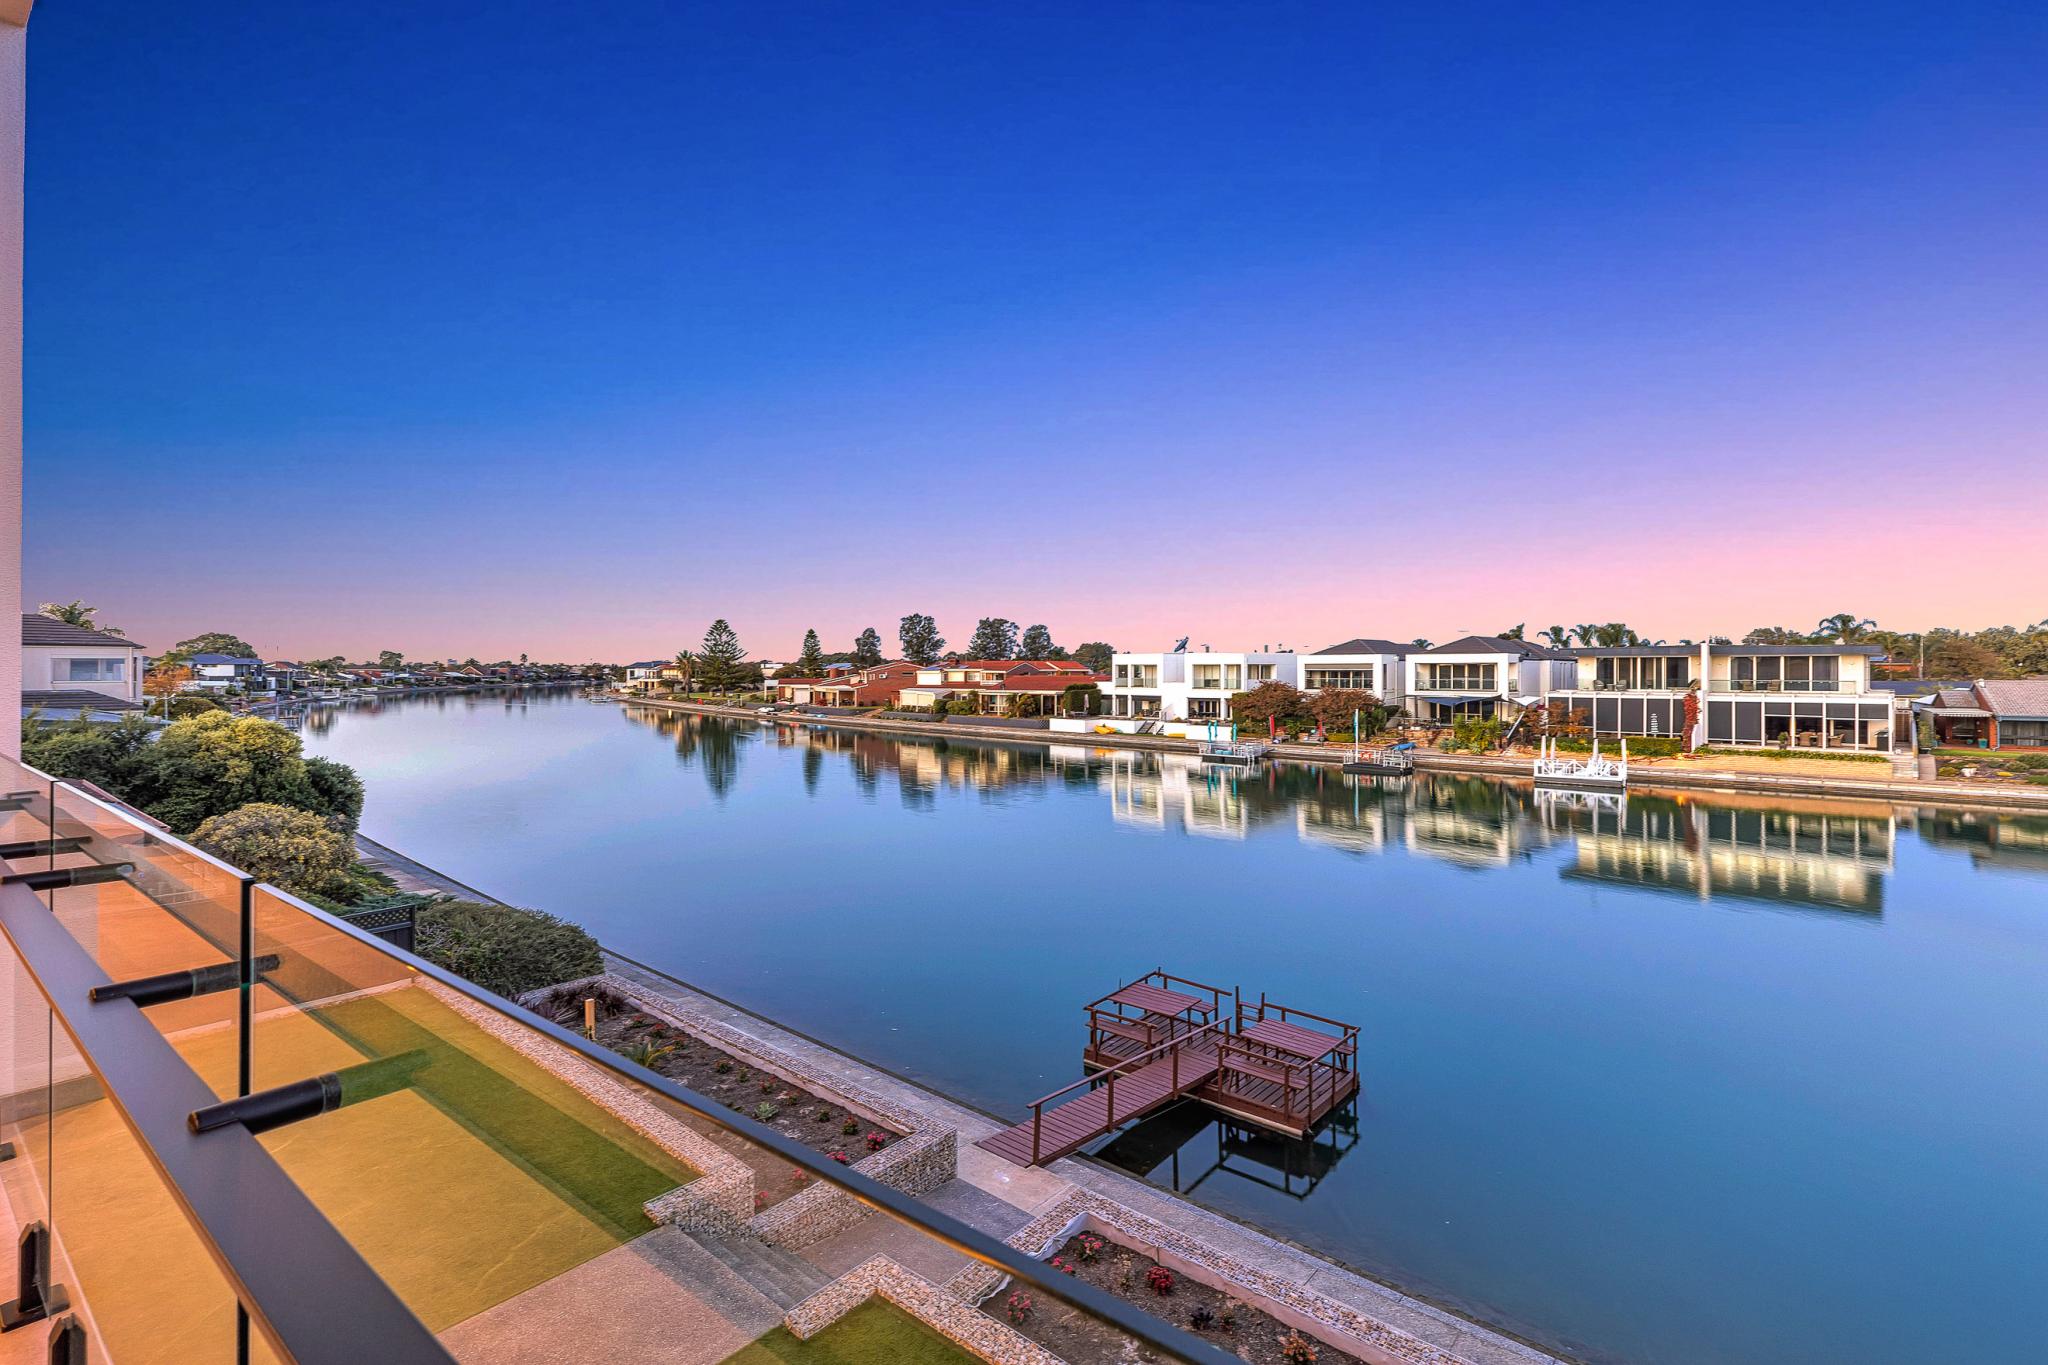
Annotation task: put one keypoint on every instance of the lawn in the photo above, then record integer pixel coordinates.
(876, 1333)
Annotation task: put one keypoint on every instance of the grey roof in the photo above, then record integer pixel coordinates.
(38, 629)
(1811, 651)
(652, 663)
(76, 701)
(1495, 644)
(1636, 652)
(1369, 647)
(2015, 697)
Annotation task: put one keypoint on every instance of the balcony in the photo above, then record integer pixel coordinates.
(1781, 685)
(421, 1172)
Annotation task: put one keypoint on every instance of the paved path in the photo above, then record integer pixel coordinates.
(415, 877)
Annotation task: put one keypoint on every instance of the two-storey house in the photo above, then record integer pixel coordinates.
(1484, 676)
(1795, 696)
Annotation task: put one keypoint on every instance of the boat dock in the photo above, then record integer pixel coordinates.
(1163, 1038)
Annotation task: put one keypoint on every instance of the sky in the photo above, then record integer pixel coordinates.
(487, 329)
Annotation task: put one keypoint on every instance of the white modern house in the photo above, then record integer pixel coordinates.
(1183, 685)
(1793, 696)
(220, 672)
(1483, 676)
(68, 670)
(1365, 665)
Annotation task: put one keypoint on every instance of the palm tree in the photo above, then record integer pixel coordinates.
(1586, 634)
(1612, 635)
(1514, 633)
(1845, 627)
(1558, 636)
(77, 614)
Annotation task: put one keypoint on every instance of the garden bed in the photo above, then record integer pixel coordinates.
(824, 1125)
(1992, 765)
(1137, 1279)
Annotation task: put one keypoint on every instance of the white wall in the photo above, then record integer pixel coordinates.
(13, 124)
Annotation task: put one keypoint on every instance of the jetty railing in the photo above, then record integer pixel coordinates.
(1106, 1077)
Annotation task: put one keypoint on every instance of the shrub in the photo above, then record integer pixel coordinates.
(104, 755)
(1089, 1246)
(724, 1065)
(850, 1127)
(289, 848)
(822, 1116)
(504, 948)
(1159, 1280)
(646, 1052)
(1202, 1319)
(1227, 1314)
(337, 793)
(1297, 1349)
(876, 1141)
(211, 764)
(766, 1112)
(189, 705)
(1018, 1306)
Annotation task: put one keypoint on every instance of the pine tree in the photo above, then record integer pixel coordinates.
(1037, 644)
(867, 650)
(718, 662)
(922, 643)
(994, 638)
(811, 662)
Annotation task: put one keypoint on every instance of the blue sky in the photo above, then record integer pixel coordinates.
(564, 329)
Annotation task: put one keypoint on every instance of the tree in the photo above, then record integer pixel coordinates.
(1333, 709)
(684, 663)
(293, 849)
(1558, 636)
(1276, 701)
(104, 755)
(165, 681)
(1773, 635)
(811, 661)
(76, 613)
(1081, 699)
(1959, 656)
(994, 638)
(337, 793)
(720, 658)
(1037, 644)
(1586, 634)
(210, 642)
(212, 764)
(1512, 634)
(1095, 656)
(389, 659)
(867, 650)
(1845, 627)
(920, 638)
(1421, 643)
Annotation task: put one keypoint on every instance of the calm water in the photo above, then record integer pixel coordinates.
(1691, 1081)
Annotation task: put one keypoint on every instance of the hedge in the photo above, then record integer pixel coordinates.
(503, 948)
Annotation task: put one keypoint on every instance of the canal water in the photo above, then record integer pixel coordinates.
(1669, 1079)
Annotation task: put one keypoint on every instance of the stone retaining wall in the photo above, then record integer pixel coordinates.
(920, 1161)
(1338, 1324)
(720, 1199)
(965, 1326)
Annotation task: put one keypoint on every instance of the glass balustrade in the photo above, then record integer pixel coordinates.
(279, 1138)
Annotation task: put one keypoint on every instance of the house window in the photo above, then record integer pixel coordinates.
(1458, 677)
(89, 670)
(1359, 679)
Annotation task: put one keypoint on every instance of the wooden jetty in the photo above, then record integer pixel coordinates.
(1387, 760)
(1163, 1038)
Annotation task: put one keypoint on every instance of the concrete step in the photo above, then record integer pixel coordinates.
(782, 1276)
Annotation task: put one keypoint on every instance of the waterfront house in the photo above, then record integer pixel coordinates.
(1364, 665)
(1993, 713)
(220, 672)
(1183, 685)
(1804, 696)
(1485, 676)
(881, 685)
(995, 687)
(643, 676)
(67, 669)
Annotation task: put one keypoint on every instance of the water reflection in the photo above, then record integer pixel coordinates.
(1789, 852)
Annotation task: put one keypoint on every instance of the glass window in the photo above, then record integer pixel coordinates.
(89, 670)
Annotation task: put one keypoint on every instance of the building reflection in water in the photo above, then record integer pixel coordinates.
(1793, 851)
(1783, 851)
